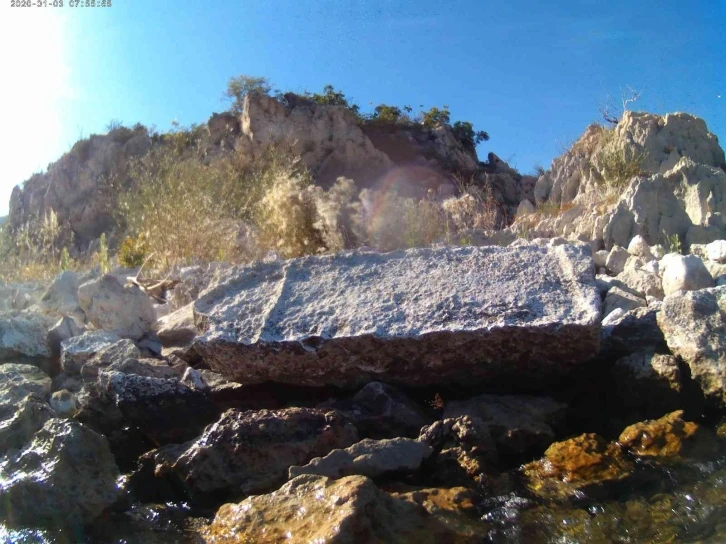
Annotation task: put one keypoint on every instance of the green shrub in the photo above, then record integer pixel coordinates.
(617, 164)
(436, 116)
(464, 132)
(673, 243)
(102, 255)
(240, 86)
(66, 263)
(133, 251)
(387, 114)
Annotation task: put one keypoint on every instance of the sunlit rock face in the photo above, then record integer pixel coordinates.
(416, 317)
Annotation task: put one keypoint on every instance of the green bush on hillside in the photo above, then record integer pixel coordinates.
(242, 85)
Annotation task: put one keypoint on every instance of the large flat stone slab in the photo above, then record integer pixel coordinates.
(508, 316)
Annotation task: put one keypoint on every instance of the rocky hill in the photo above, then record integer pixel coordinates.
(410, 159)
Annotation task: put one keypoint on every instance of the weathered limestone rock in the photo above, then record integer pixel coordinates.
(318, 509)
(368, 457)
(668, 436)
(116, 307)
(617, 298)
(417, 317)
(64, 478)
(641, 280)
(381, 411)
(716, 251)
(62, 296)
(78, 350)
(248, 452)
(694, 326)
(23, 335)
(576, 464)
(616, 260)
(684, 272)
(517, 423)
(639, 248)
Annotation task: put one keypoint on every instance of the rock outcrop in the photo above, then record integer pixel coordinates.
(416, 317)
(65, 477)
(694, 326)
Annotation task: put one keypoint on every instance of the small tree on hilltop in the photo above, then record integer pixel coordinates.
(464, 131)
(240, 86)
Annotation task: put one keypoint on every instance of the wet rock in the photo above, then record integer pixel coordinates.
(368, 457)
(694, 326)
(64, 403)
(381, 411)
(684, 273)
(576, 464)
(119, 351)
(619, 299)
(518, 424)
(463, 449)
(24, 335)
(248, 452)
(19, 423)
(17, 381)
(65, 477)
(647, 381)
(668, 436)
(62, 296)
(165, 410)
(319, 509)
(118, 307)
(416, 317)
(78, 350)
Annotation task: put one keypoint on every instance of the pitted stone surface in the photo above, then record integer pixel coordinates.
(417, 317)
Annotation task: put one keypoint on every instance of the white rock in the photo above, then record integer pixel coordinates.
(716, 251)
(658, 251)
(684, 272)
(114, 306)
(24, 335)
(639, 247)
(616, 260)
(76, 351)
(525, 208)
(620, 299)
(600, 257)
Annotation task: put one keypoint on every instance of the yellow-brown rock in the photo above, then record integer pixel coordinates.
(665, 437)
(574, 464)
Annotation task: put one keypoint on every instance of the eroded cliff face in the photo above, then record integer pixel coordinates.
(81, 186)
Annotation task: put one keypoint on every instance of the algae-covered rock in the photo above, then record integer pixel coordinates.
(665, 437)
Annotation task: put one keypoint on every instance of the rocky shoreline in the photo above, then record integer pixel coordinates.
(294, 398)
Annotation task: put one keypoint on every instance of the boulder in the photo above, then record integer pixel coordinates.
(318, 509)
(716, 251)
(65, 477)
(694, 326)
(118, 307)
(381, 411)
(642, 280)
(417, 317)
(638, 247)
(65, 328)
(78, 350)
(17, 381)
(620, 299)
(525, 208)
(684, 273)
(616, 260)
(177, 328)
(24, 336)
(630, 332)
(247, 452)
(368, 457)
(164, 410)
(62, 296)
(20, 421)
(518, 423)
(119, 351)
(575, 465)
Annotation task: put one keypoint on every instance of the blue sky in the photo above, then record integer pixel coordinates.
(530, 73)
